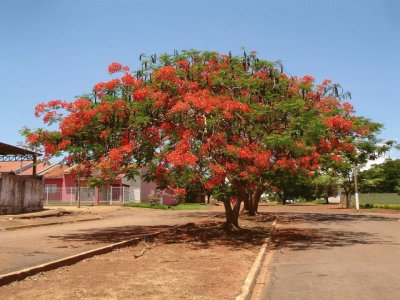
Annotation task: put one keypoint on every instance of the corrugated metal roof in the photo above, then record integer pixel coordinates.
(6, 149)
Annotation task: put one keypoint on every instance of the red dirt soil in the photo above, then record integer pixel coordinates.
(197, 261)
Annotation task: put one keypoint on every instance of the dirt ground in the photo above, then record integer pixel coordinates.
(197, 261)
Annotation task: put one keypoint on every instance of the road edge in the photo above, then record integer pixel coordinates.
(252, 276)
(48, 224)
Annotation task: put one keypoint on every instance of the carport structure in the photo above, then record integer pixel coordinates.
(13, 153)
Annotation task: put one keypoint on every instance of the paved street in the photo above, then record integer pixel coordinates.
(24, 248)
(332, 255)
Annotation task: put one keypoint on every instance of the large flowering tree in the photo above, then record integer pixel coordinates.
(235, 125)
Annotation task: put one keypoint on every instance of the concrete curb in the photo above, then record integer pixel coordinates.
(70, 260)
(251, 279)
(48, 224)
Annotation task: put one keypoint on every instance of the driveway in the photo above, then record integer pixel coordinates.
(323, 253)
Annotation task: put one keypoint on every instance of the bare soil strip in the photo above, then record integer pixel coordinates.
(196, 261)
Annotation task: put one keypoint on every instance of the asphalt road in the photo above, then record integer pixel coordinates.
(331, 255)
(24, 248)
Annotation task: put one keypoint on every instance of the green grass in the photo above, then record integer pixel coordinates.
(381, 206)
(184, 206)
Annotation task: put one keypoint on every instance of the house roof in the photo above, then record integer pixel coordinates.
(56, 171)
(95, 171)
(40, 169)
(47, 170)
(12, 166)
(13, 153)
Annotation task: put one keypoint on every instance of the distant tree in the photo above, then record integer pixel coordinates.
(287, 186)
(325, 186)
(382, 178)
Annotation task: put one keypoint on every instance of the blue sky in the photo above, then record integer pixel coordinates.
(53, 49)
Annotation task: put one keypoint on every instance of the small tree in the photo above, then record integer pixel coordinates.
(326, 186)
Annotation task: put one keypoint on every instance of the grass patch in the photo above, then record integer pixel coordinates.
(183, 206)
(380, 206)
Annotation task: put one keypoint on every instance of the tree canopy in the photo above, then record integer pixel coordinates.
(382, 178)
(235, 125)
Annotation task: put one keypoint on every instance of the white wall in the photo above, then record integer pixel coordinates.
(134, 188)
(20, 194)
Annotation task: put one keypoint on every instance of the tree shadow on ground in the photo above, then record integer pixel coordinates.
(203, 234)
(320, 238)
(295, 238)
(293, 217)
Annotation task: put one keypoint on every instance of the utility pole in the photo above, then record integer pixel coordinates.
(356, 187)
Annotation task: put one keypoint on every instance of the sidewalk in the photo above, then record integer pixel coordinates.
(25, 248)
(45, 217)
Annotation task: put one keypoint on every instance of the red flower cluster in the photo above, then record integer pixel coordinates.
(181, 155)
(116, 158)
(180, 107)
(166, 73)
(141, 94)
(117, 67)
(183, 64)
(130, 80)
(180, 192)
(338, 122)
(64, 144)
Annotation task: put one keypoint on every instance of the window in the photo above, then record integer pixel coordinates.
(51, 188)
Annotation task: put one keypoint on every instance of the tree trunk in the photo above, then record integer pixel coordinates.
(208, 196)
(251, 200)
(256, 198)
(326, 200)
(231, 214)
(236, 211)
(246, 203)
(282, 197)
(347, 194)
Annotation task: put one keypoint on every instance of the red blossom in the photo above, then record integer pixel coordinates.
(180, 192)
(348, 107)
(335, 158)
(33, 138)
(49, 149)
(307, 80)
(166, 73)
(114, 67)
(338, 122)
(64, 144)
(180, 107)
(141, 94)
(182, 64)
(130, 80)
(112, 84)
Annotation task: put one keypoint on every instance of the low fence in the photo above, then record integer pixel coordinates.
(374, 198)
(88, 196)
(163, 197)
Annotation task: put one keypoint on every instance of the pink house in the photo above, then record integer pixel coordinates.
(62, 187)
